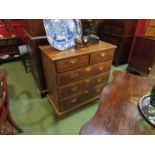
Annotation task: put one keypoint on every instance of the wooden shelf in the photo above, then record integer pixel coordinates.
(9, 59)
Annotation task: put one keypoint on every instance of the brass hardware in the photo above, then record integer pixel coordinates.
(149, 68)
(75, 75)
(100, 68)
(98, 80)
(102, 54)
(87, 80)
(74, 88)
(86, 91)
(73, 61)
(74, 100)
(88, 69)
(98, 90)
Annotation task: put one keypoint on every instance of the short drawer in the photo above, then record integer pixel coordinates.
(77, 87)
(101, 56)
(72, 63)
(81, 98)
(83, 73)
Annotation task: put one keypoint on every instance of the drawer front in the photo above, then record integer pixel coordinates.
(101, 56)
(81, 98)
(72, 63)
(83, 73)
(77, 87)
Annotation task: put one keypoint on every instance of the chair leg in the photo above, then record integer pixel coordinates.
(13, 123)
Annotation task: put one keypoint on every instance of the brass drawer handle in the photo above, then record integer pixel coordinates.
(98, 90)
(3, 98)
(88, 69)
(75, 75)
(99, 80)
(149, 68)
(73, 61)
(100, 68)
(102, 54)
(74, 89)
(88, 80)
(74, 100)
(86, 91)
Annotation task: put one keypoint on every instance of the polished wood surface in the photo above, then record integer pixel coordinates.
(119, 26)
(119, 32)
(72, 52)
(142, 56)
(118, 111)
(35, 27)
(35, 59)
(5, 115)
(83, 85)
(150, 30)
(73, 76)
(72, 63)
(83, 73)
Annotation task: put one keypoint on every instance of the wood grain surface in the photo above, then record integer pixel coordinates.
(118, 111)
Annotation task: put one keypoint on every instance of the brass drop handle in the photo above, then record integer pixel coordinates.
(3, 98)
(98, 80)
(74, 100)
(98, 90)
(87, 80)
(86, 91)
(149, 68)
(2, 83)
(74, 89)
(88, 69)
(100, 68)
(73, 61)
(102, 54)
(75, 75)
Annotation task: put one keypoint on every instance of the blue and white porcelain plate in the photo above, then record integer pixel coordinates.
(61, 33)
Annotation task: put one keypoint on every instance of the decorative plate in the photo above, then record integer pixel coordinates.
(61, 33)
(147, 109)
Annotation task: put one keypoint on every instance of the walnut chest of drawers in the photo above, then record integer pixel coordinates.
(75, 76)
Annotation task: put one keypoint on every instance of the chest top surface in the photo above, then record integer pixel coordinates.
(54, 54)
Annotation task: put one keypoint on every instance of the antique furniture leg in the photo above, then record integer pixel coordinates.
(4, 104)
(13, 123)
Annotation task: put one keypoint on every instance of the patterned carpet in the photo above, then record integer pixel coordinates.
(34, 114)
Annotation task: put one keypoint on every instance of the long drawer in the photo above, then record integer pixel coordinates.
(77, 87)
(83, 73)
(81, 98)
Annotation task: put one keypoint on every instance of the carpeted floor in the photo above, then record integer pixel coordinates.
(33, 113)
